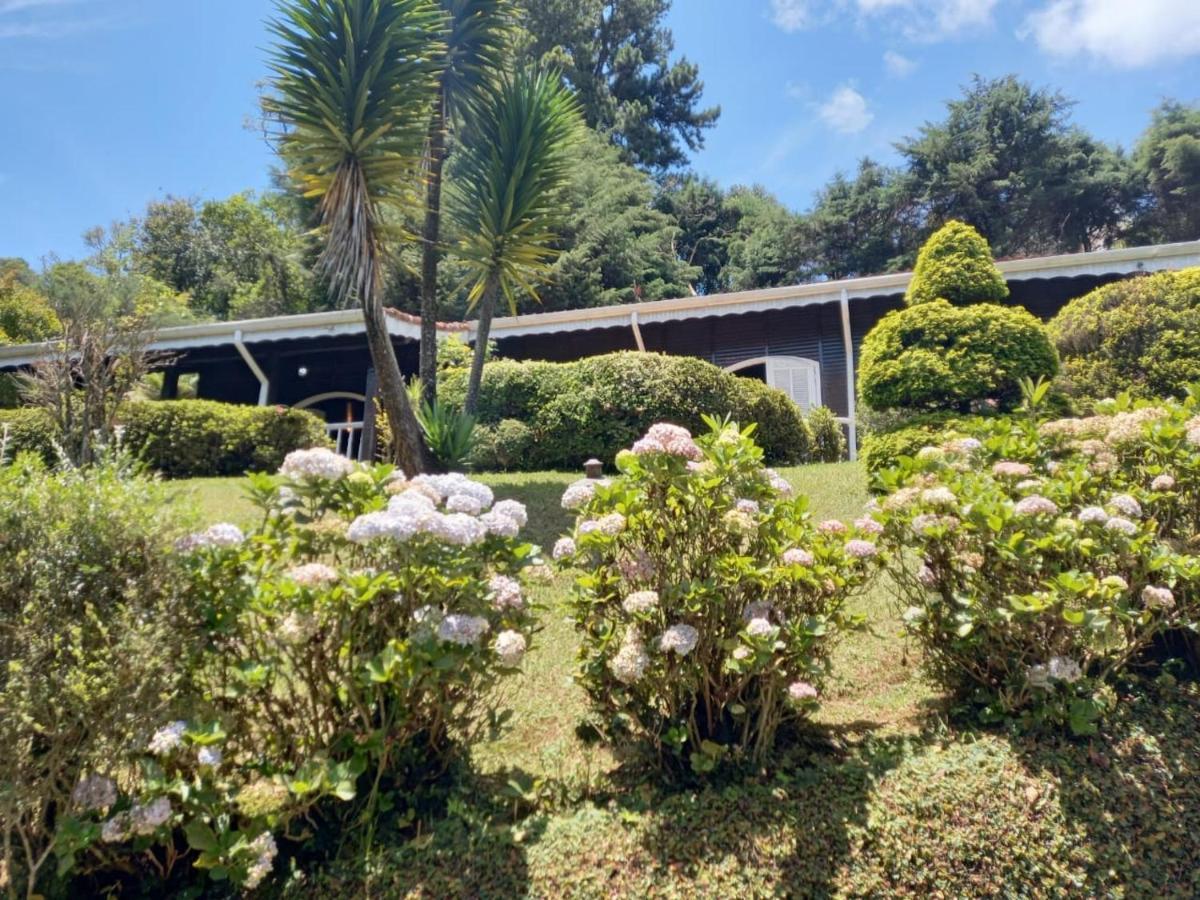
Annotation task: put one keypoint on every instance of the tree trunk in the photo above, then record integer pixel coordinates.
(430, 250)
(411, 453)
(487, 308)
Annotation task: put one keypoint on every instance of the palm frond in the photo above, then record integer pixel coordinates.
(506, 202)
(478, 38)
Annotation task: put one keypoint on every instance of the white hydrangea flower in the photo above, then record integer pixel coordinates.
(445, 486)
(312, 575)
(1009, 469)
(395, 526)
(1156, 597)
(1063, 669)
(680, 639)
(1163, 483)
(167, 738)
(514, 509)
(564, 548)
(750, 507)
(631, 661)
(778, 483)
(578, 494)
(612, 524)
(426, 620)
(317, 464)
(801, 691)
(505, 593)
(868, 525)
(265, 849)
(500, 525)
(456, 528)
(861, 549)
(797, 557)
(927, 577)
(510, 647)
(939, 496)
(670, 439)
(95, 792)
(117, 830)
(464, 503)
(1126, 505)
(1092, 515)
(209, 757)
(1036, 505)
(463, 630)
(832, 526)
(1121, 526)
(222, 535)
(640, 602)
(759, 627)
(146, 819)
(296, 628)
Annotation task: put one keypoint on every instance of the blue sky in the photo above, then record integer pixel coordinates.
(109, 103)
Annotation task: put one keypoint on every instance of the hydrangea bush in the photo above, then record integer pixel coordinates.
(353, 638)
(1040, 562)
(709, 601)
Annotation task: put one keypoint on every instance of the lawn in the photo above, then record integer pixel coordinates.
(889, 797)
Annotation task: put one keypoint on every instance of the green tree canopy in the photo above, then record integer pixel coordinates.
(616, 54)
(25, 314)
(956, 265)
(1167, 159)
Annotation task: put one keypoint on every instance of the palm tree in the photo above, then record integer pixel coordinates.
(507, 194)
(476, 34)
(353, 82)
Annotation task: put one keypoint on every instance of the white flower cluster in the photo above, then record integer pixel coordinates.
(141, 819)
(611, 525)
(505, 593)
(1059, 668)
(1126, 505)
(1092, 515)
(510, 647)
(580, 493)
(964, 446)
(564, 549)
(447, 487)
(1009, 469)
(939, 496)
(167, 738)
(680, 639)
(640, 602)
(868, 525)
(631, 661)
(859, 549)
(317, 464)
(1121, 525)
(463, 630)
(801, 692)
(209, 757)
(312, 575)
(1158, 597)
(1163, 483)
(760, 627)
(1035, 505)
(297, 628)
(1193, 431)
(414, 511)
(264, 849)
(670, 439)
(222, 535)
(832, 526)
(95, 792)
(778, 483)
(797, 557)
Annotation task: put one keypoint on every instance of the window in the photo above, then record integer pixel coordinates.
(799, 378)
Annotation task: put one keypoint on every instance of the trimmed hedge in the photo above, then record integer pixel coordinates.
(1141, 335)
(935, 356)
(202, 438)
(956, 265)
(188, 438)
(883, 449)
(597, 406)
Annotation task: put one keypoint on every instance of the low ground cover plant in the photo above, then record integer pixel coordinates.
(709, 599)
(1040, 562)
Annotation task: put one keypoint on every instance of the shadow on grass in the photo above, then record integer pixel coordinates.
(1132, 793)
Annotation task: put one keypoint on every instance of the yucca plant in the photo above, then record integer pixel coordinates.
(449, 431)
(507, 194)
(477, 36)
(353, 84)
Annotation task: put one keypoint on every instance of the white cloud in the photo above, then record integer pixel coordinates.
(846, 111)
(1120, 33)
(790, 15)
(897, 64)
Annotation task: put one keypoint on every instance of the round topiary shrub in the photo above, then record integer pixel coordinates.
(828, 439)
(709, 600)
(1141, 335)
(936, 356)
(956, 265)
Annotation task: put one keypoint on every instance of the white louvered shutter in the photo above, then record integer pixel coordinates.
(799, 378)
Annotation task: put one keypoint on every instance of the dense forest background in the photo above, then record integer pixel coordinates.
(1005, 157)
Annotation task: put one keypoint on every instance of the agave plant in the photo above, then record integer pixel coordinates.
(507, 194)
(449, 431)
(353, 84)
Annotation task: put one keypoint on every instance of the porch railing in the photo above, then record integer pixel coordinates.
(347, 438)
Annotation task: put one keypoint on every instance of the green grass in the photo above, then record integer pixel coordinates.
(886, 800)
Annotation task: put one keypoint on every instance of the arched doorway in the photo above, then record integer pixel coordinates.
(797, 377)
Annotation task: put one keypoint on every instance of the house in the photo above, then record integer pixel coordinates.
(803, 339)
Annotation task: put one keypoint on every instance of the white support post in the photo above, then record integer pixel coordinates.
(851, 378)
(264, 383)
(637, 331)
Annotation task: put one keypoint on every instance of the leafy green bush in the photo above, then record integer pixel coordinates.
(956, 265)
(709, 601)
(1141, 335)
(501, 447)
(201, 438)
(29, 431)
(884, 449)
(93, 642)
(828, 439)
(596, 406)
(1036, 576)
(935, 356)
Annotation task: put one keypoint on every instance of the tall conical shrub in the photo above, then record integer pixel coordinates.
(956, 264)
